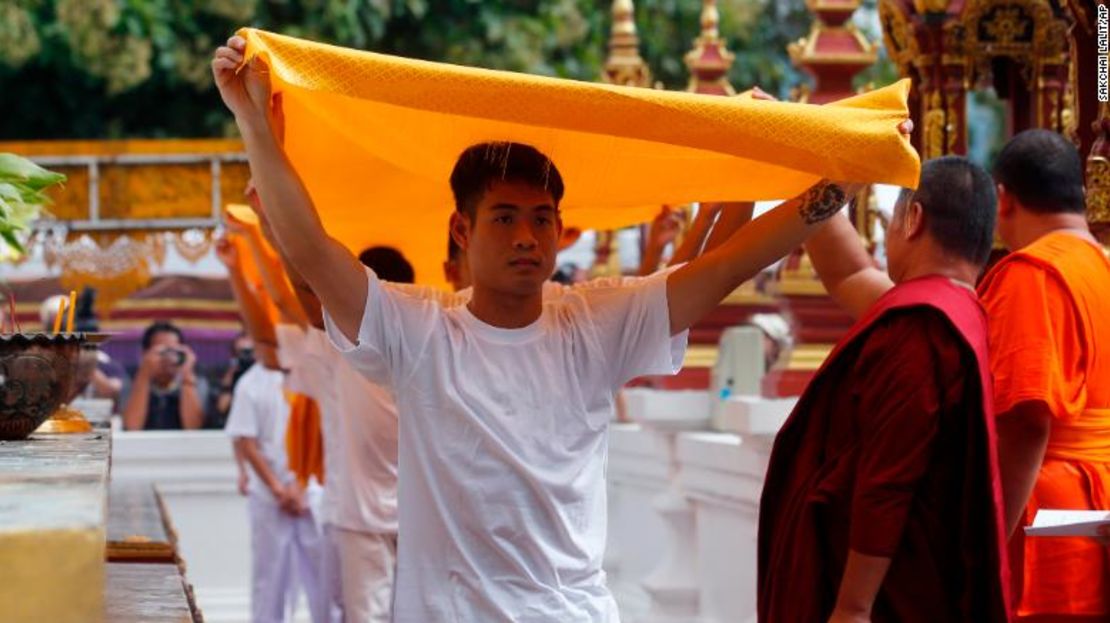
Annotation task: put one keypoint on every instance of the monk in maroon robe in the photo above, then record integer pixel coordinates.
(882, 500)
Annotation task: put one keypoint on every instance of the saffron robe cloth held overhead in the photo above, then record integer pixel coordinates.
(375, 137)
(1049, 310)
(890, 453)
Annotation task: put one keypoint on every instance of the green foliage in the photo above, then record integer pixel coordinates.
(139, 68)
(22, 195)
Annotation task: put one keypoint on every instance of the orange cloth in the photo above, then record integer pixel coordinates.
(304, 439)
(1049, 309)
(374, 138)
(252, 274)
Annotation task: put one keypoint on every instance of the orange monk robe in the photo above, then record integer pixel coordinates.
(1049, 309)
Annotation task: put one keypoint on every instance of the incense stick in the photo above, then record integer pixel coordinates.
(11, 311)
(69, 315)
(58, 316)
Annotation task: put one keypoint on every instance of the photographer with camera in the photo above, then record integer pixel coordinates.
(166, 392)
(242, 358)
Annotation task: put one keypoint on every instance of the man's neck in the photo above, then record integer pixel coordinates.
(505, 310)
(1037, 226)
(943, 265)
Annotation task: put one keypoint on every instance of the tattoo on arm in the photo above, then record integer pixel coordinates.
(821, 202)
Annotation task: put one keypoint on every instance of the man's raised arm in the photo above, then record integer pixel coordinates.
(334, 273)
(698, 287)
(845, 267)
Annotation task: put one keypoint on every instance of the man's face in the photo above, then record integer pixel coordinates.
(511, 243)
(243, 343)
(167, 345)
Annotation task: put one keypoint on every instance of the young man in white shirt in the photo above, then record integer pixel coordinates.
(505, 400)
(285, 541)
(360, 456)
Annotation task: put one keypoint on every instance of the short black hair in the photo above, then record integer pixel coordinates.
(158, 327)
(485, 163)
(959, 202)
(1044, 171)
(388, 264)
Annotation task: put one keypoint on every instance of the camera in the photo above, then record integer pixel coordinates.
(244, 358)
(175, 356)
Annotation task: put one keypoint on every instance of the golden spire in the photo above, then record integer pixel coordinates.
(710, 59)
(624, 65)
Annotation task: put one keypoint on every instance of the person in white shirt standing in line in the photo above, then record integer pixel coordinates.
(359, 506)
(285, 541)
(360, 455)
(285, 538)
(506, 400)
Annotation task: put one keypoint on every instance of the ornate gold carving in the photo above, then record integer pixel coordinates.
(1025, 30)
(1008, 25)
(952, 126)
(1098, 190)
(898, 35)
(934, 127)
(115, 265)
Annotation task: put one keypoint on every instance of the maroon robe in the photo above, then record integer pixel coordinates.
(891, 452)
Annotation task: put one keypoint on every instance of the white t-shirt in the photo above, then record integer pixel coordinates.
(259, 410)
(503, 446)
(360, 432)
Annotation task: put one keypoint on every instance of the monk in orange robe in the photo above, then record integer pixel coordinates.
(1049, 308)
(883, 500)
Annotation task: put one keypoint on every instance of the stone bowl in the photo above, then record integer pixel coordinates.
(36, 376)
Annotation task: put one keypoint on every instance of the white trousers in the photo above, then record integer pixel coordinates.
(285, 555)
(331, 579)
(365, 563)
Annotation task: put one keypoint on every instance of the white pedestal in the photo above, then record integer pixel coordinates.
(637, 475)
(673, 585)
(722, 475)
(753, 415)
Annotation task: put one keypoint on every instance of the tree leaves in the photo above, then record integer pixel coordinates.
(22, 195)
(139, 68)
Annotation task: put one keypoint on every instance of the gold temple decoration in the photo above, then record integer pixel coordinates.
(1098, 177)
(710, 60)
(832, 53)
(625, 66)
(948, 48)
(109, 224)
(192, 244)
(116, 265)
(1098, 190)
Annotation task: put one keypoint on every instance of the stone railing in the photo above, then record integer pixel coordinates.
(683, 511)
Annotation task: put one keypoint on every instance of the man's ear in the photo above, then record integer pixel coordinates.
(1007, 204)
(460, 229)
(913, 220)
